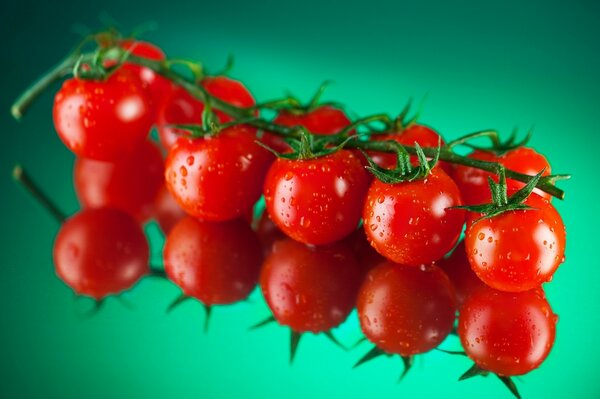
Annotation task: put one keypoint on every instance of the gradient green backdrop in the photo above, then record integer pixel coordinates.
(483, 64)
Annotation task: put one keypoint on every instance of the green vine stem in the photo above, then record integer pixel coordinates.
(19, 108)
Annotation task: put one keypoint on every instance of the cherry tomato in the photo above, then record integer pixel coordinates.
(218, 178)
(316, 201)
(458, 269)
(130, 184)
(528, 161)
(421, 134)
(409, 222)
(216, 263)
(325, 120)
(517, 250)
(473, 182)
(507, 333)
(100, 252)
(406, 310)
(182, 108)
(157, 85)
(310, 288)
(166, 211)
(103, 120)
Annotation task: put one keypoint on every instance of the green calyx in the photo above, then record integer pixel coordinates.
(306, 145)
(292, 105)
(475, 371)
(404, 170)
(501, 202)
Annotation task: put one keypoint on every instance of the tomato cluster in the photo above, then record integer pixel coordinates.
(331, 237)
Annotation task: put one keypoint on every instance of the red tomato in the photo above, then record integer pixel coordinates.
(325, 120)
(316, 201)
(507, 333)
(166, 211)
(157, 85)
(458, 269)
(218, 178)
(216, 263)
(103, 120)
(409, 222)
(473, 182)
(182, 108)
(130, 184)
(421, 134)
(310, 288)
(517, 250)
(406, 310)
(527, 161)
(100, 252)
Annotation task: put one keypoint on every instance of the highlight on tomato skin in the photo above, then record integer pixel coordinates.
(517, 250)
(131, 184)
(410, 223)
(101, 252)
(218, 178)
(103, 120)
(216, 263)
(316, 201)
(507, 333)
(406, 310)
(180, 107)
(310, 289)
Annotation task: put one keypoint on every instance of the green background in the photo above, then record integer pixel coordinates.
(483, 65)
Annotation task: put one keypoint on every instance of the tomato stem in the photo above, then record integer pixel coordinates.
(23, 179)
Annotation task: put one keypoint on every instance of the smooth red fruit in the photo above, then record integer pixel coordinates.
(406, 310)
(366, 255)
(473, 182)
(409, 222)
(216, 263)
(458, 269)
(420, 134)
(103, 120)
(182, 108)
(218, 178)
(517, 250)
(316, 201)
(166, 211)
(158, 86)
(325, 120)
(507, 333)
(528, 161)
(130, 184)
(310, 288)
(100, 252)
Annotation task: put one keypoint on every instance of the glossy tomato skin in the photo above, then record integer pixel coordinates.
(100, 252)
(310, 289)
(216, 263)
(366, 255)
(406, 310)
(166, 211)
(458, 269)
(409, 222)
(157, 85)
(180, 107)
(528, 161)
(218, 178)
(130, 184)
(472, 182)
(316, 201)
(326, 120)
(268, 232)
(507, 333)
(518, 250)
(415, 133)
(103, 120)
